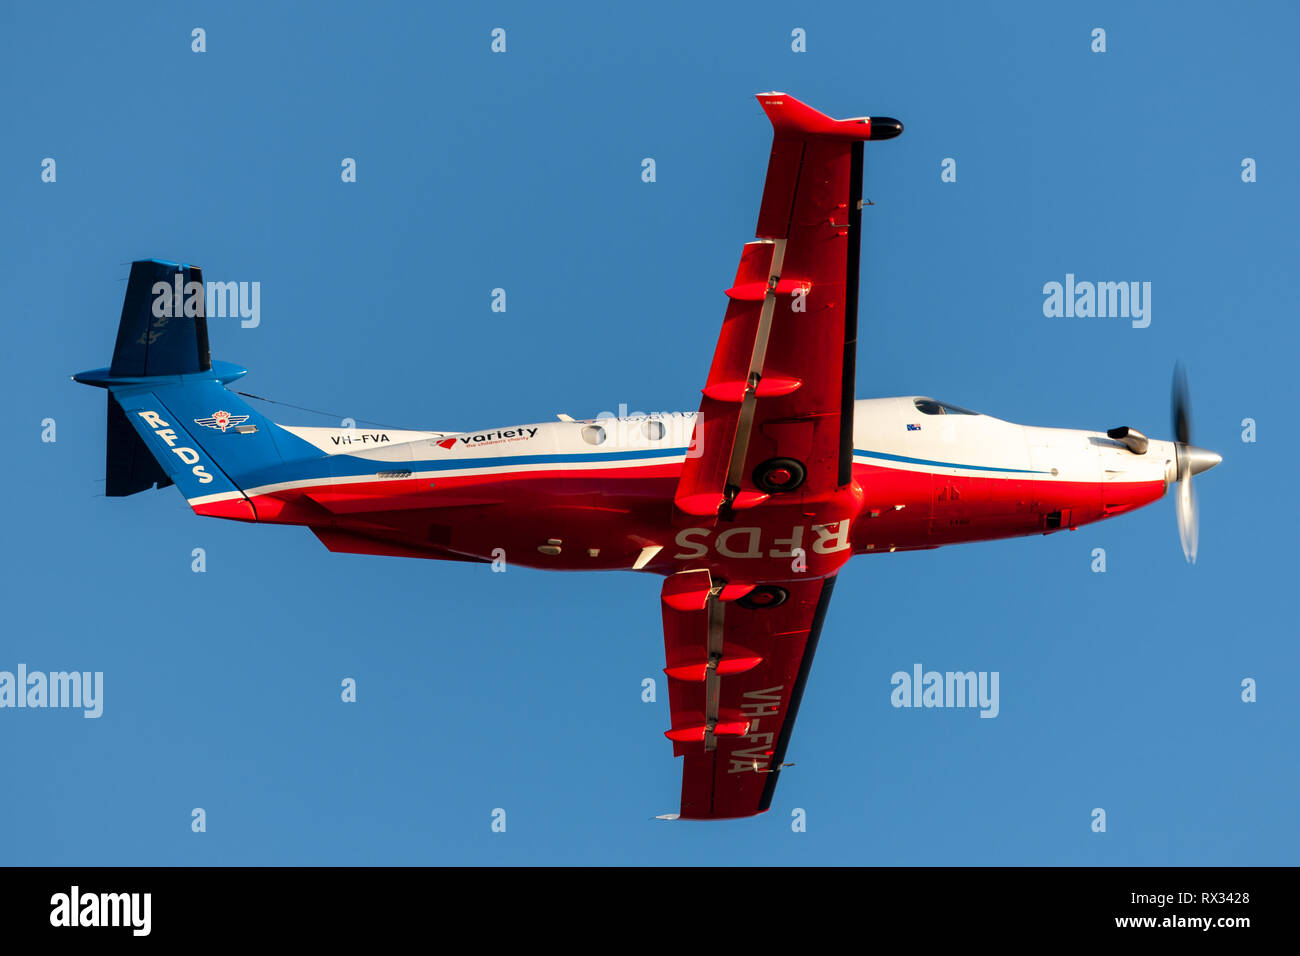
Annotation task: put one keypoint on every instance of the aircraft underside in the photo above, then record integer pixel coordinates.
(603, 519)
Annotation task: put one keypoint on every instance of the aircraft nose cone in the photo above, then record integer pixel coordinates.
(1199, 459)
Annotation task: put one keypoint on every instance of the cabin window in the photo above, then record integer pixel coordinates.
(928, 406)
(593, 434)
(653, 430)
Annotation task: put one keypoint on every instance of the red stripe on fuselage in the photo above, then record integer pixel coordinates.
(613, 511)
(236, 509)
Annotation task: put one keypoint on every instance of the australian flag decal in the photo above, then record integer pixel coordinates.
(913, 428)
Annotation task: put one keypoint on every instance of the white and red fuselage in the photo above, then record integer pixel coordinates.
(595, 495)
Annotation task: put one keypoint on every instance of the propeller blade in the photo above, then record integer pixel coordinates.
(1190, 461)
(1181, 406)
(1187, 520)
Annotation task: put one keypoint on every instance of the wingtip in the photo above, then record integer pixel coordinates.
(793, 118)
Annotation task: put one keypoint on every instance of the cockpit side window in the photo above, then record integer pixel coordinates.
(928, 406)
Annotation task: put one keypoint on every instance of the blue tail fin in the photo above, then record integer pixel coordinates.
(171, 420)
(163, 330)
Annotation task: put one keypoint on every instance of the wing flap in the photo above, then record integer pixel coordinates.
(702, 488)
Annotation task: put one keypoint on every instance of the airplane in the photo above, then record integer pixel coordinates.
(746, 507)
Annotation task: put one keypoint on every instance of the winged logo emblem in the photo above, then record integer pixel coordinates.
(221, 420)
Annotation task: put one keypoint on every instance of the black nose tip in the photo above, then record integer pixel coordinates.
(885, 127)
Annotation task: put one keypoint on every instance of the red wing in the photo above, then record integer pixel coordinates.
(749, 697)
(780, 387)
(781, 383)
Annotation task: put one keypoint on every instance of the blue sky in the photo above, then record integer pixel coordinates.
(522, 171)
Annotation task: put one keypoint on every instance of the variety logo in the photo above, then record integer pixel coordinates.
(523, 433)
(221, 420)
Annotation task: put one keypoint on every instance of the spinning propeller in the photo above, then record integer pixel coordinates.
(1190, 461)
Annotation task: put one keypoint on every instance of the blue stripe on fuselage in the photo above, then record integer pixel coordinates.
(942, 464)
(349, 466)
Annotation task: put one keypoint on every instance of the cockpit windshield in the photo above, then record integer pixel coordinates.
(928, 406)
